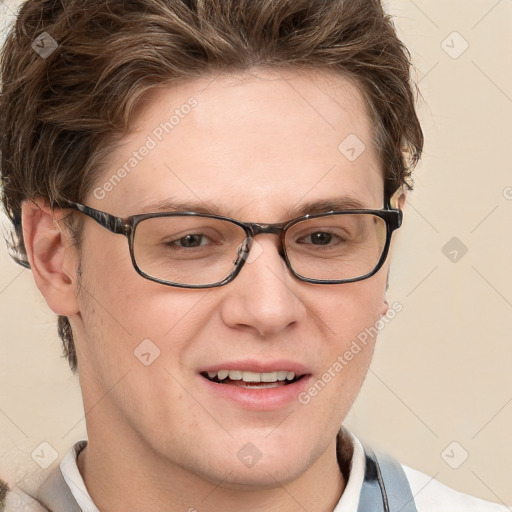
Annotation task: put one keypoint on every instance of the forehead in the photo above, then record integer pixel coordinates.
(246, 145)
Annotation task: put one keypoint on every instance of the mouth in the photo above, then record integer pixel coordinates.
(256, 385)
(253, 380)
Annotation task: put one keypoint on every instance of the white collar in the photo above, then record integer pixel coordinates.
(72, 476)
(349, 500)
(348, 503)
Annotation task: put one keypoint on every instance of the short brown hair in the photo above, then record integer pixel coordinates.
(61, 114)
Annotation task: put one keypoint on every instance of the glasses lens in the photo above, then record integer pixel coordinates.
(195, 250)
(188, 250)
(336, 247)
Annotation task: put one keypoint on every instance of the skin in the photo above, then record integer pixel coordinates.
(256, 146)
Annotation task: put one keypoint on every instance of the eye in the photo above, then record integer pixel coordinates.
(320, 238)
(191, 241)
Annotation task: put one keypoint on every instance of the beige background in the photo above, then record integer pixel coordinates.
(442, 369)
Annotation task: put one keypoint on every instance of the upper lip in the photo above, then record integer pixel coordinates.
(258, 366)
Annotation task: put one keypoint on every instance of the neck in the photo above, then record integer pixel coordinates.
(122, 472)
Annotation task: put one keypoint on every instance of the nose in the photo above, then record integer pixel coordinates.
(264, 297)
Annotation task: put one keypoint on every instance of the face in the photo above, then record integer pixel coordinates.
(257, 148)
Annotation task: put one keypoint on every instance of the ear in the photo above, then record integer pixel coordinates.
(52, 258)
(385, 304)
(384, 308)
(397, 200)
(401, 199)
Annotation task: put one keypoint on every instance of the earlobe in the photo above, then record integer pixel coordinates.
(398, 199)
(385, 307)
(401, 200)
(51, 259)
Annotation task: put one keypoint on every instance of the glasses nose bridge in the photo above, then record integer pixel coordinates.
(260, 229)
(254, 229)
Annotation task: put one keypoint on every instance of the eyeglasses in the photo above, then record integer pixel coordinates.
(195, 250)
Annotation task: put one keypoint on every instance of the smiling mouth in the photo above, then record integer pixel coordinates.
(252, 380)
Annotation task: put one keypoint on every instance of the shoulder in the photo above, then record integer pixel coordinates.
(433, 496)
(17, 500)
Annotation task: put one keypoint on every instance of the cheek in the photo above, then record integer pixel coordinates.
(349, 309)
(114, 294)
(120, 310)
(349, 315)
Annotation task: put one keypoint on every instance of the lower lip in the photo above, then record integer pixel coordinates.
(262, 399)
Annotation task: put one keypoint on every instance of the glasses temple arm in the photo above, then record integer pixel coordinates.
(110, 222)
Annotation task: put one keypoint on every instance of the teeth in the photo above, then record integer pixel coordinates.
(280, 375)
(269, 377)
(251, 377)
(223, 374)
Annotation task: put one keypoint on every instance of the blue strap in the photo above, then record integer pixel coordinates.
(385, 487)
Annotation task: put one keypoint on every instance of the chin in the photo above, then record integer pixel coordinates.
(263, 462)
(263, 475)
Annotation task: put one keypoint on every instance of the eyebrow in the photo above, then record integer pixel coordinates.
(327, 205)
(299, 210)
